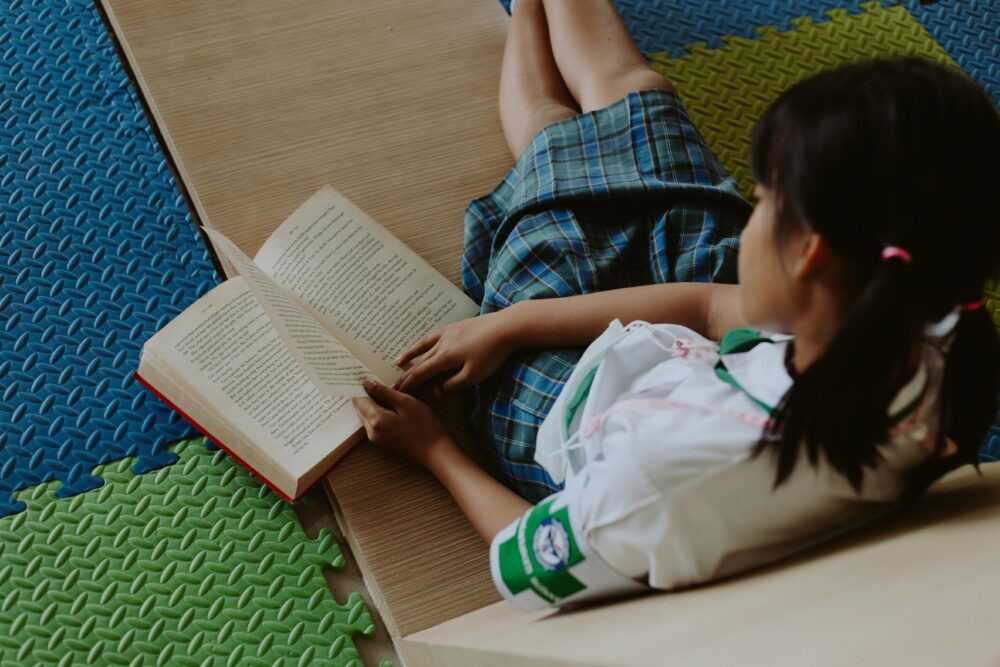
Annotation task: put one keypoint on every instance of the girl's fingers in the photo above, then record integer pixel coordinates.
(366, 409)
(405, 380)
(455, 382)
(422, 372)
(384, 395)
(364, 406)
(418, 348)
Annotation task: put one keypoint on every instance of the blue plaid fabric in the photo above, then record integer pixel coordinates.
(625, 195)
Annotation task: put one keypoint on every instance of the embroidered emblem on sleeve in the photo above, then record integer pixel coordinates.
(540, 555)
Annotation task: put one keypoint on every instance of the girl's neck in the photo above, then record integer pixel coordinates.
(815, 327)
(807, 348)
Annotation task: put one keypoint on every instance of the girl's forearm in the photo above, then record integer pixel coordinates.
(488, 504)
(578, 320)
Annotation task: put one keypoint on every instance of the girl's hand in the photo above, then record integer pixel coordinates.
(407, 427)
(474, 348)
(401, 423)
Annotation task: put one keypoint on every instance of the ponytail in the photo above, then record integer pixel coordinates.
(968, 397)
(838, 405)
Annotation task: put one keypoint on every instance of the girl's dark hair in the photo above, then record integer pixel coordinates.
(899, 152)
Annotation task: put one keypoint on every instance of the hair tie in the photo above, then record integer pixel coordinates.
(972, 305)
(891, 251)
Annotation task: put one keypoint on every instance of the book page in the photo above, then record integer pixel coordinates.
(376, 294)
(323, 358)
(227, 347)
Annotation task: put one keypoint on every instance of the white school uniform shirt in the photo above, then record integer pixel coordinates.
(652, 434)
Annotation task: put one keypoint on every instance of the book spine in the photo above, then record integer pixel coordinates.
(211, 437)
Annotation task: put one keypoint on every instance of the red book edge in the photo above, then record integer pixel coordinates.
(211, 437)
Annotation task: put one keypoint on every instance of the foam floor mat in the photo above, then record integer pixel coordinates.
(750, 73)
(969, 30)
(192, 564)
(672, 26)
(97, 252)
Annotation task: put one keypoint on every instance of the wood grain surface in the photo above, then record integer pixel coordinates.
(394, 103)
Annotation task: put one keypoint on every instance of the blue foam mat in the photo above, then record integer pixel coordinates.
(969, 30)
(97, 252)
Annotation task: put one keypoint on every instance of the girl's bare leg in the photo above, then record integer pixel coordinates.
(532, 92)
(596, 55)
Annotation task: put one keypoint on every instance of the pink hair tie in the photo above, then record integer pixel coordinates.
(972, 305)
(891, 251)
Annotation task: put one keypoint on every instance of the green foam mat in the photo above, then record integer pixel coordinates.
(193, 564)
(726, 89)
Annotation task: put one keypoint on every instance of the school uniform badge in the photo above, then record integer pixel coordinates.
(551, 544)
(543, 559)
(538, 555)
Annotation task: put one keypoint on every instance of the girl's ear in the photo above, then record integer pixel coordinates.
(815, 254)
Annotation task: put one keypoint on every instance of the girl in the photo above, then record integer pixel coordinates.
(665, 458)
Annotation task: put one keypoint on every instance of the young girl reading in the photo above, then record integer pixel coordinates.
(855, 335)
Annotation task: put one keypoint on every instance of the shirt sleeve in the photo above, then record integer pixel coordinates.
(545, 557)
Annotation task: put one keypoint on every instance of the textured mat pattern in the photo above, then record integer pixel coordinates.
(750, 73)
(969, 30)
(673, 26)
(97, 251)
(193, 564)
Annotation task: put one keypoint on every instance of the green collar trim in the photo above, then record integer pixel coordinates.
(723, 373)
(741, 340)
(734, 341)
(576, 401)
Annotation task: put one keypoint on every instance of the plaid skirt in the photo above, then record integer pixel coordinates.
(626, 195)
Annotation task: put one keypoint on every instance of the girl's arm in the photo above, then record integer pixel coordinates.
(406, 426)
(475, 348)
(711, 309)
(489, 505)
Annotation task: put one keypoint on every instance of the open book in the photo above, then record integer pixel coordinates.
(265, 363)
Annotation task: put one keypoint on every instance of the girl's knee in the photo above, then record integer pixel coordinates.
(531, 121)
(548, 112)
(611, 86)
(644, 78)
